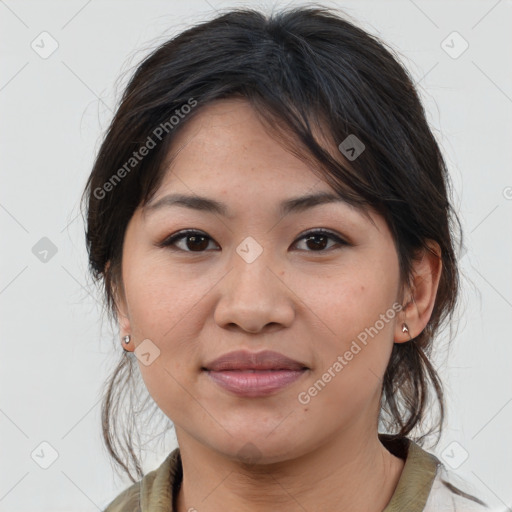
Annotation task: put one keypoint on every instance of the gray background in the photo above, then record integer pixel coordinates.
(56, 352)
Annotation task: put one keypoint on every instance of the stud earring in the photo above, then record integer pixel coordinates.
(405, 328)
(126, 339)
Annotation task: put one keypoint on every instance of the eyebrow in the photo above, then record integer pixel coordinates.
(201, 203)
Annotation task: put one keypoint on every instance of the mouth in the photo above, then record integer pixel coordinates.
(254, 383)
(251, 374)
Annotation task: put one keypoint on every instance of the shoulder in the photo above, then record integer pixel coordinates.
(156, 487)
(126, 501)
(427, 485)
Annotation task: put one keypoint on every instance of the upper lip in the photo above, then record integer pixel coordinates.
(246, 360)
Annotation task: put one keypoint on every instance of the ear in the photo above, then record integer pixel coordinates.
(421, 296)
(120, 306)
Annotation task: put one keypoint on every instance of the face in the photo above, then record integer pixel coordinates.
(254, 278)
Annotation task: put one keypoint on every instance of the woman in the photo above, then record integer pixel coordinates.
(269, 215)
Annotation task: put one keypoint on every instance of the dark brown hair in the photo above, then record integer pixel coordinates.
(301, 69)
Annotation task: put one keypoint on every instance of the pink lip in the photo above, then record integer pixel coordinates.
(253, 383)
(254, 374)
(245, 360)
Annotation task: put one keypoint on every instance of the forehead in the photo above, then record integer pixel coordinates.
(225, 153)
(228, 135)
(225, 145)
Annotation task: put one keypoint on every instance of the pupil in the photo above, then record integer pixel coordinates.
(194, 239)
(313, 237)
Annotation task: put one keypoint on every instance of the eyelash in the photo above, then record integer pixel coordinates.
(169, 241)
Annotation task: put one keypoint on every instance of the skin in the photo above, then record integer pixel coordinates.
(307, 303)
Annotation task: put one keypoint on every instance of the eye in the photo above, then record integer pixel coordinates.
(318, 239)
(197, 241)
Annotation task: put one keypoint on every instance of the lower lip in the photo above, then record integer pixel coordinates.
(254, 383)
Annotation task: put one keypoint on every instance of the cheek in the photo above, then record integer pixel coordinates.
(348, 302)
(166, 386)
(357, 323)
(164, 307)
(159, 295)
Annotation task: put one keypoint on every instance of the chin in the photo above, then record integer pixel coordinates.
(259, 449)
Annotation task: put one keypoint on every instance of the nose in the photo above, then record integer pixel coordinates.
(254, 297)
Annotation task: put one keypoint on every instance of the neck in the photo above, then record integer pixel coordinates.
(356, 473)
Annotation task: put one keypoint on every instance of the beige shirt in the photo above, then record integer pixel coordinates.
(424, 485)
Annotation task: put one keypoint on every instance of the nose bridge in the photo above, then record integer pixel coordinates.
(251, 263)
(253, 296)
